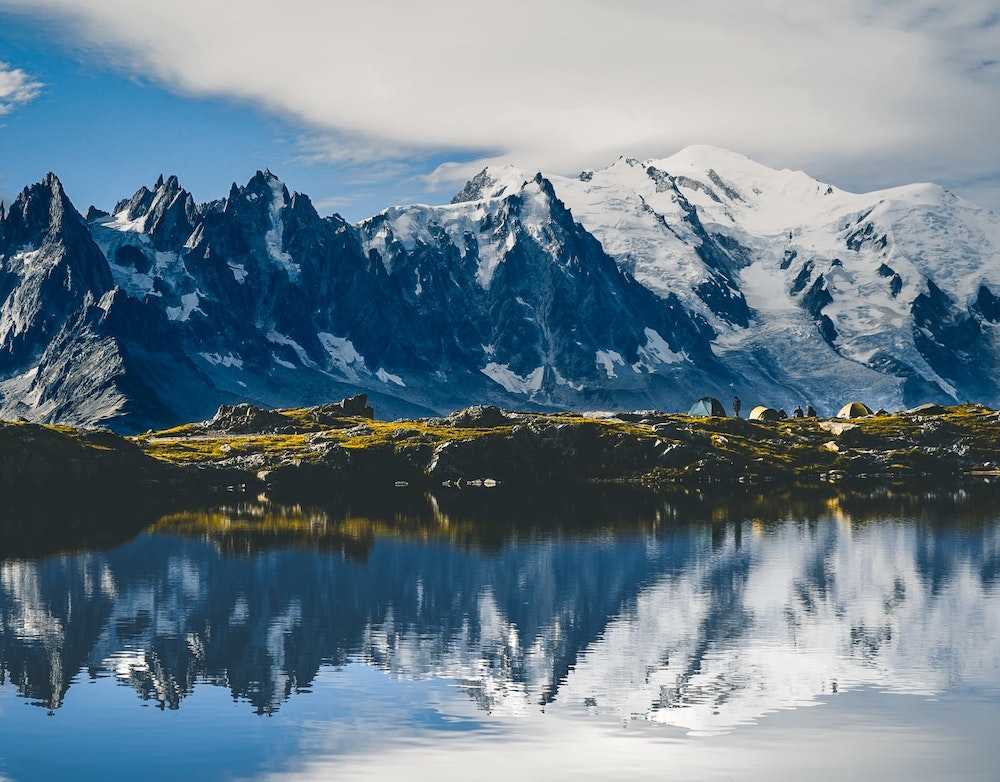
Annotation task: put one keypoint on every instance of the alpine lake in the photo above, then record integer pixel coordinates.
(487, 635)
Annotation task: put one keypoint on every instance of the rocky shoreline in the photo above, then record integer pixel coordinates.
(338, 447)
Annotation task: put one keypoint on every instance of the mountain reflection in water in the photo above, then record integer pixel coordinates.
(619, 606)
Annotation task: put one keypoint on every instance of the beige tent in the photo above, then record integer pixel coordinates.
(761, 413)
(854, 410)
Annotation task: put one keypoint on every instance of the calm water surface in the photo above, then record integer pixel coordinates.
(606, 637)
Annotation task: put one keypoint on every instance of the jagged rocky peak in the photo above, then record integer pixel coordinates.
(39, 210)
(167, 213)
(300, 206)
(263, 195)
(265, 183)
(491, 182)
(49, 265)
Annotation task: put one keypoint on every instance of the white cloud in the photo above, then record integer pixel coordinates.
(326, 204)
(16, 88)
(884, 90)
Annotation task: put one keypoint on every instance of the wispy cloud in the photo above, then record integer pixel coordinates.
(326, 204)
(364, 160)
(352, 149)
(16, 88)
(891, 90)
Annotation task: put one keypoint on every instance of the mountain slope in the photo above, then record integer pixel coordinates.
(895, 280)
(642, 284)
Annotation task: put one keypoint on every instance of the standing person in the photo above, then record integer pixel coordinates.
(797, 412)
(737, 404)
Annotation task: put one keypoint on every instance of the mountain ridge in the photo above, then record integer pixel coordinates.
(642, 284)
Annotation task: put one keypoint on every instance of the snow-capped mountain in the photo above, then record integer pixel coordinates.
(642, 284)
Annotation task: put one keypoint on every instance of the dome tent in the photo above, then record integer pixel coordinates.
(708, 406)
(761, 413)
(854, 410)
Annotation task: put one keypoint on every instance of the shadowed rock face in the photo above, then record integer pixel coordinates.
(49, 266)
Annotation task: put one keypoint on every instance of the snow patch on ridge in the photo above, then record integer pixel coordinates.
(278, 338)
(388, 377)
(228, 360)
(503, 375)
(607, 359)
(343, 356)
(273, 239)
(121, 222)
(657, 351)
(189, 305)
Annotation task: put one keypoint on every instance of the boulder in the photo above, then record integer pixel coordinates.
(244, 418)
(480, 417)
(349, 407)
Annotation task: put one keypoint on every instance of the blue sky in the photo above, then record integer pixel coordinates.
(365, 105)
(104, 132)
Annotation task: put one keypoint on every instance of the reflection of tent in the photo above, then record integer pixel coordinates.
(706, 406)
(761, 413)
(854, 410)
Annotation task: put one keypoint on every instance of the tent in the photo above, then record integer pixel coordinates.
(854, 410)
(761, 413)
(708, 406)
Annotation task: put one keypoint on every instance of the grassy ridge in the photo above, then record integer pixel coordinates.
(649, 448)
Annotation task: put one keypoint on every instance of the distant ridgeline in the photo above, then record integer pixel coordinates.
(643, 285)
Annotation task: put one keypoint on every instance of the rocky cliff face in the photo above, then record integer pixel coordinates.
(644, 284)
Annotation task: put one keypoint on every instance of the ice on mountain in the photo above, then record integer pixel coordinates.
(227, 360)
(607, 359)
(343, 357)
(277, 338)
(657, 351)
(503, 375)
(388, 377)
(273, 239)
(189, 305)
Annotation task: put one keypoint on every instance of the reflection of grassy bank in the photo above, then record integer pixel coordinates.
(491, 521)
(350, 524)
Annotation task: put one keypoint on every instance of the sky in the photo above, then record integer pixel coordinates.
(363, 105)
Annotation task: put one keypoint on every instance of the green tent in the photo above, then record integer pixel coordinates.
(708, 406)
